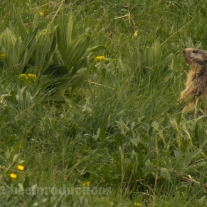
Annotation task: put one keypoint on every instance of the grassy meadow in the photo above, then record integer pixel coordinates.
(89, 102)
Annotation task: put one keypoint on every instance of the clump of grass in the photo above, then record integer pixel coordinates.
(121, 130)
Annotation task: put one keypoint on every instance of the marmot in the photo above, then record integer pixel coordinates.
(196, 85)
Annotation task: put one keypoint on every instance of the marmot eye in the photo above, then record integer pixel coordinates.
(195, 51)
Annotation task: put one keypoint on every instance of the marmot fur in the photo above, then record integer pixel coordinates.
(196, 85)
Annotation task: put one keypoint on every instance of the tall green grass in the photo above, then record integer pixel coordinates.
(115, 123)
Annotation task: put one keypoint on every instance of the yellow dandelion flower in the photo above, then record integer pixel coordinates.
(100, 58)
(32, 77)
(23, 77)
(41, 13)
(86, 184)
(137, 204)
(29, 78)
(3, 56)
(136, 34)
(20, 167)
(13, 175)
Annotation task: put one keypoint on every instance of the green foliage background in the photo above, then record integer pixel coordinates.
(116, 123)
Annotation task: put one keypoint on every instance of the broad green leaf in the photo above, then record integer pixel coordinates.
(30, 38)
(35, 22)
(64, 31)
(25, 58)
(76, 50)
(28, 46)
(7, 39)
(69, 29)
(21, 27)
(43, 44)
(101, 134)
(156, 47)
(81, 64)
(50, 54)
(96, 48)
(15, 158)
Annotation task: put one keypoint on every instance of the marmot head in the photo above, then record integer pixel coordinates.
(196, 58)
